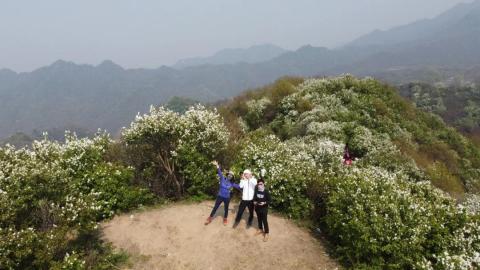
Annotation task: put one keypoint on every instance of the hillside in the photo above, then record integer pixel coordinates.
(409, 199)
(253, 54)
(422, 29)
(448, 40)
(457, 102)
(347, 106)
(403, 157)
(21, 139)
(106, 96)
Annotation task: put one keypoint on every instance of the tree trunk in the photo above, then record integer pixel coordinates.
(169, 166)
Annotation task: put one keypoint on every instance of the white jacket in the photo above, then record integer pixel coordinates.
(248, 188)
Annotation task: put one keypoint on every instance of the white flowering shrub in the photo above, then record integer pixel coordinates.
(54, 194)
(255, 112)
(176, 149)
(377, 217)
(382, 219)
(328, 129)
(463, 251)
(17, 247)
(70, 262)
(243, 125)
(382, 212)
(472, 204)
(287, 171)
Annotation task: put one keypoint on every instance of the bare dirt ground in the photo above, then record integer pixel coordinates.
(174, 237)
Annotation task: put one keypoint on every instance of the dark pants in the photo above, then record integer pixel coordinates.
(262, 213)
(241, 208)
(218, 201)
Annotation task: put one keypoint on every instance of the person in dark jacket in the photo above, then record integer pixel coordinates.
(262, 199)
(223, 195)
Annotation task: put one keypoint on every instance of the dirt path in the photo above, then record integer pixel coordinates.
(174, 238)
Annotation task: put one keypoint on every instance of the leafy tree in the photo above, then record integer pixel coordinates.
(169, 141)
(180, 104)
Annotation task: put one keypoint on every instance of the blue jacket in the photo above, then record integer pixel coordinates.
(225, 185)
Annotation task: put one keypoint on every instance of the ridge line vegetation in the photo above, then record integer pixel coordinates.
(409, 201)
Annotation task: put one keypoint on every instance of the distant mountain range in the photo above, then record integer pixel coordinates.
(108, 96)
(254, 54)
(423, 29)
(451, 40)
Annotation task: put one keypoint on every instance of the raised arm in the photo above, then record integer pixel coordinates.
(219, 170)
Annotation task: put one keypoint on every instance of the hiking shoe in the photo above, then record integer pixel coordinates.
(235, 224)
(258, 232)
(225, 221)
(265, 237)
(208, 221)
(249, 225)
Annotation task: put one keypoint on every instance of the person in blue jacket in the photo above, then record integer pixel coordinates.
(223, 195)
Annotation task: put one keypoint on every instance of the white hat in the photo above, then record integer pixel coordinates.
(247, 171)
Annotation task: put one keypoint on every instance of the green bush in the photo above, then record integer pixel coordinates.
(175, 151)
(288, 172)
(383, 211)
(53, 195)
(380, 220)
(200, 176)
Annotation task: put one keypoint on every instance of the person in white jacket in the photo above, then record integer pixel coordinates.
(247, 184)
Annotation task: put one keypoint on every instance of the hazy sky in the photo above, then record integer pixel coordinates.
(150, 33)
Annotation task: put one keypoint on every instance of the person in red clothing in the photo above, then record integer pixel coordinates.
(347, 157)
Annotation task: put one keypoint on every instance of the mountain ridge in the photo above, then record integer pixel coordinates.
(106, 95)
(252, 54)
(417, 28)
